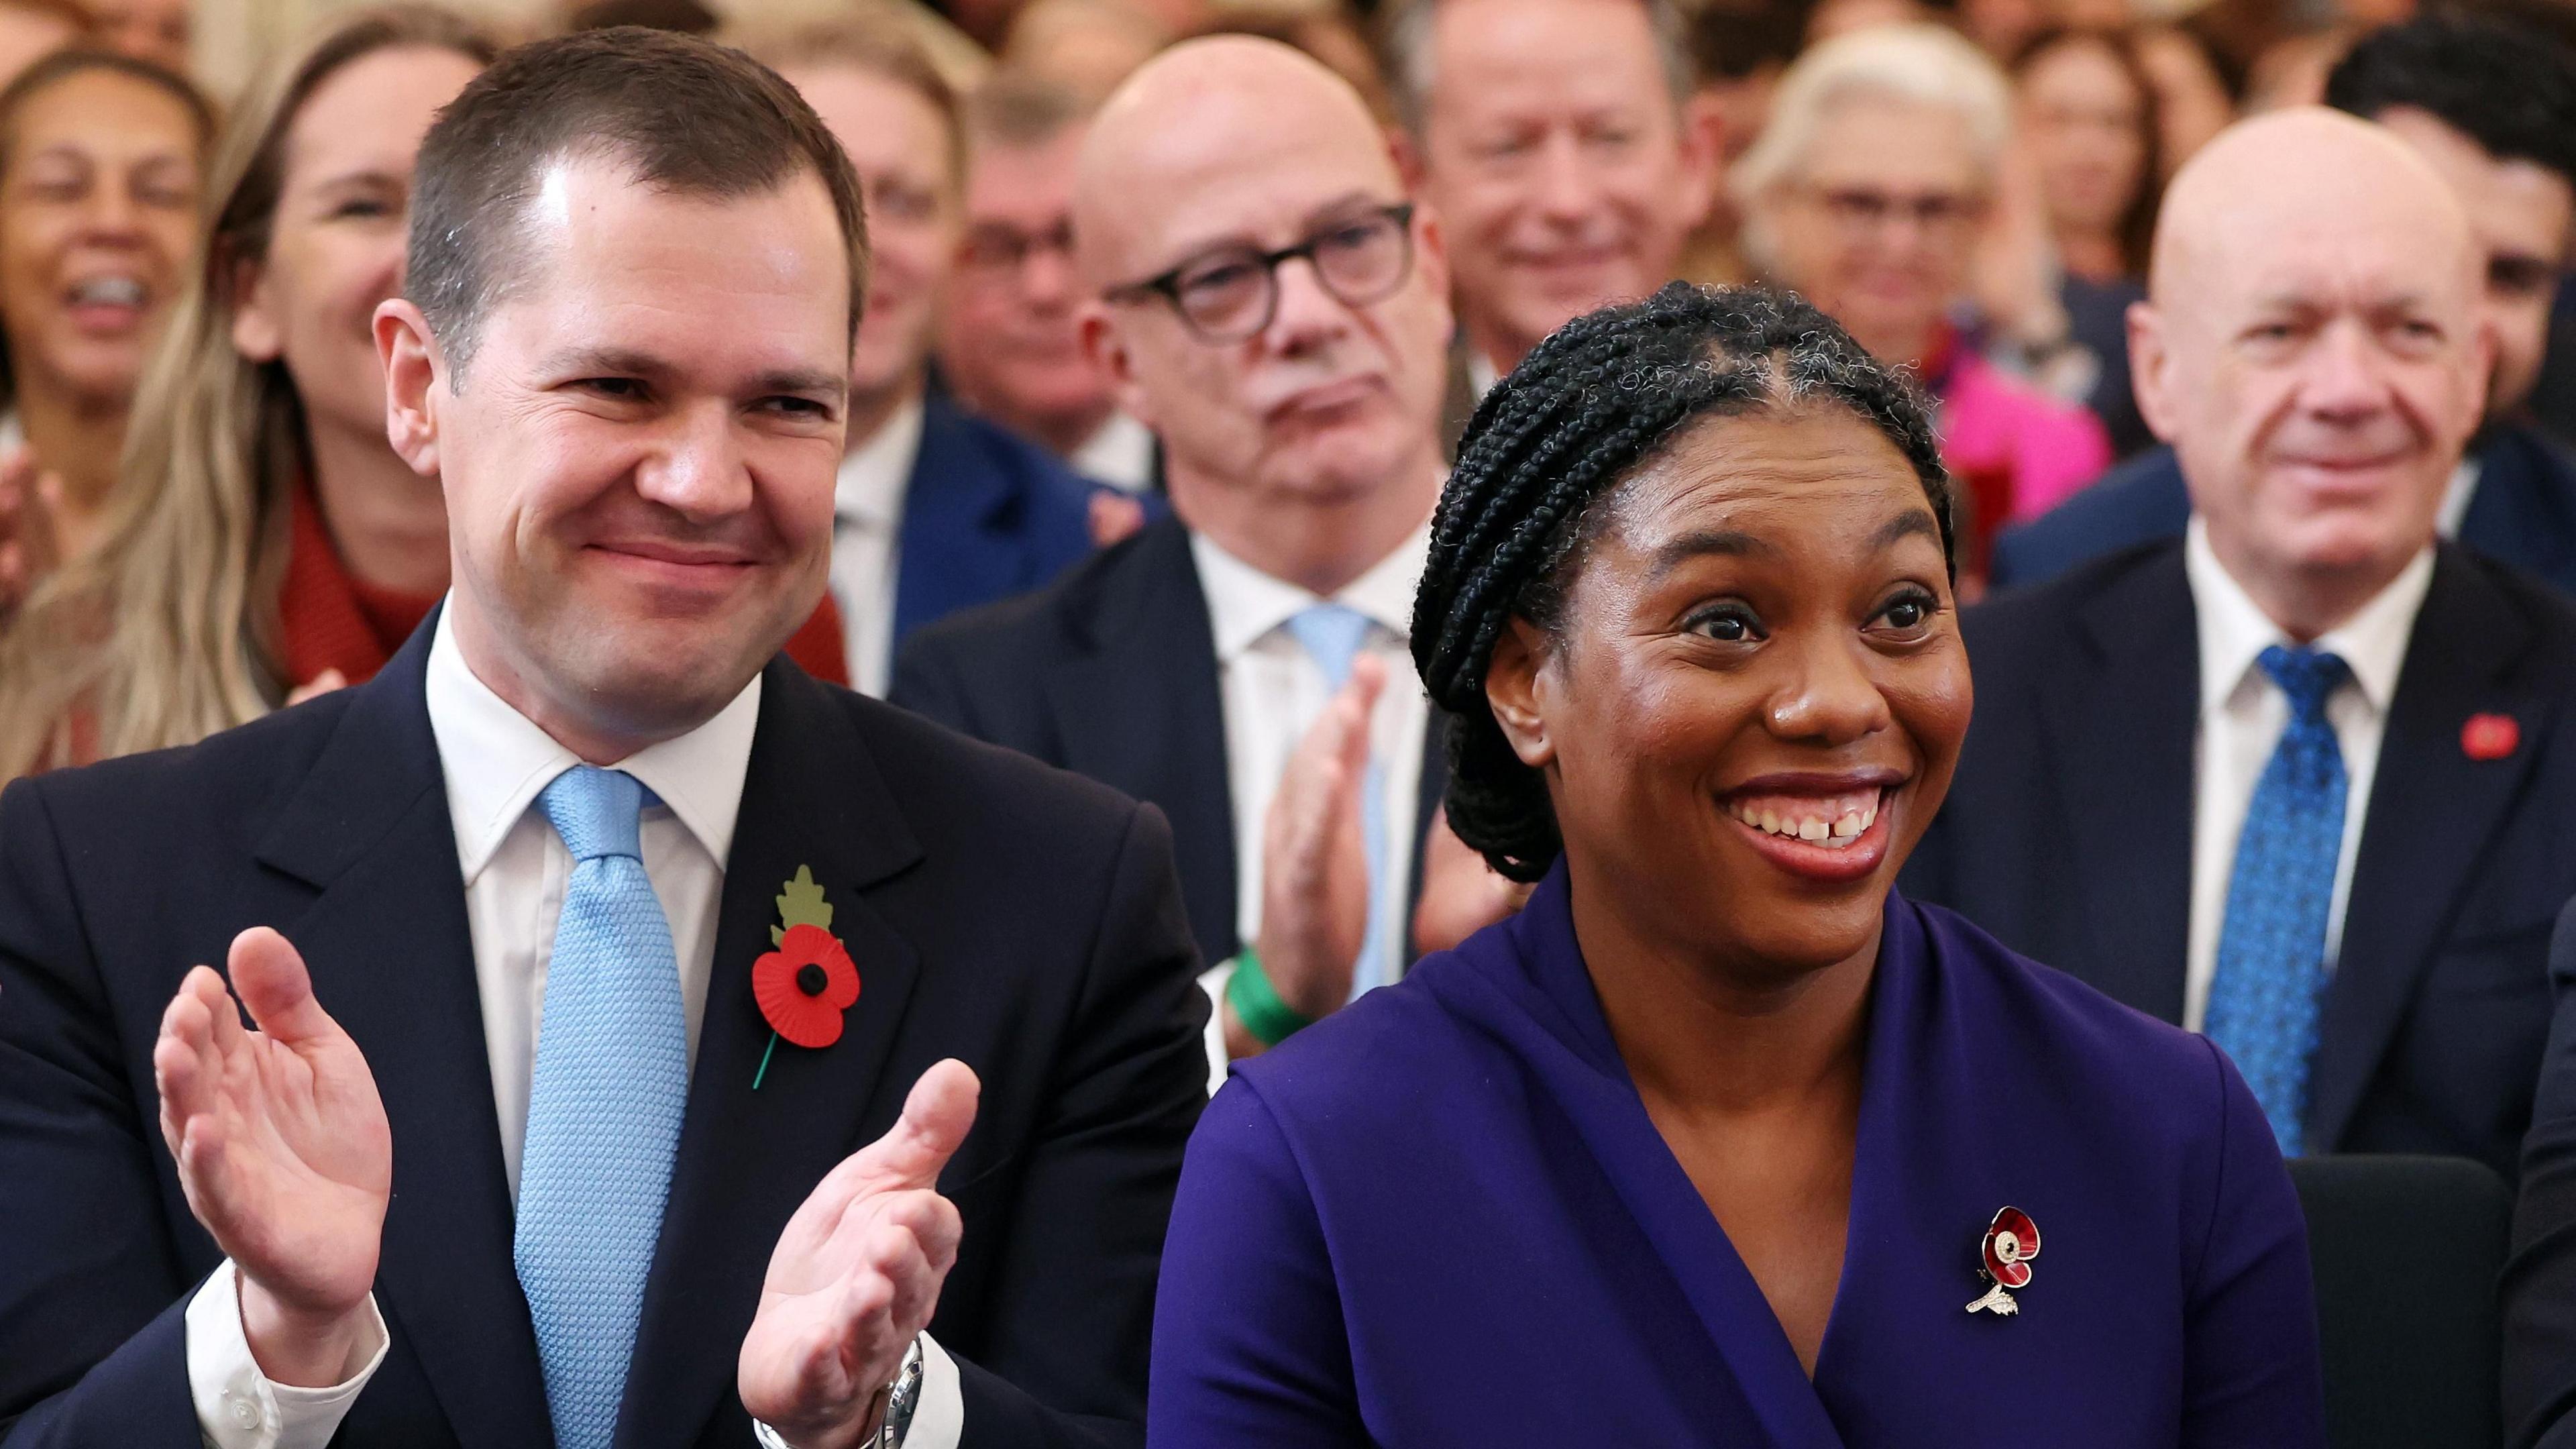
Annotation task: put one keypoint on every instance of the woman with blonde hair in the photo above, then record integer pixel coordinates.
(263, 540)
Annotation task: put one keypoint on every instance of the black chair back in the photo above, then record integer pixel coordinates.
(2407, 1251)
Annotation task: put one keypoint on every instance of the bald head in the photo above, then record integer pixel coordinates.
(2301, 180)
(1172, 153)
(2311, 348)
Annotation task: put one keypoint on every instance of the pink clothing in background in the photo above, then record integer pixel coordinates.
(1996, 427)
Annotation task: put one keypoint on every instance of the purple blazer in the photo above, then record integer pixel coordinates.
(1443, 1218)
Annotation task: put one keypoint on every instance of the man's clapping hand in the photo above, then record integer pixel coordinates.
(857, 1273)
(283, 1151)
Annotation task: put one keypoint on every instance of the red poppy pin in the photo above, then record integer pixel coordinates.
(2490, 736)
(804, 985)
(2004, 1254)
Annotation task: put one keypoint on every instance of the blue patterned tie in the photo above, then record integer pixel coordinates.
(1332, 635)
(2266, 998)
(611, 1084)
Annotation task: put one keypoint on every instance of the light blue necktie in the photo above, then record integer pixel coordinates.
(1332, 634)
(2268, 993)
(604, 1109)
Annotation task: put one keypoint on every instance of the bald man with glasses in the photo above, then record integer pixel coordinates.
(1267, 298)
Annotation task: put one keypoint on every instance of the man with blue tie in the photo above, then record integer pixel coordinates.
(2491, 103)
(2301, 777)
(634, 1056)
(1263, 295)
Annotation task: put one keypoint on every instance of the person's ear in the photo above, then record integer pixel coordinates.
(414, 373)
(1106, 345)
(1702, 141)
(256, 333)
(1407, 153)
(1431, 261)
(1519, 688)
(2151, 370)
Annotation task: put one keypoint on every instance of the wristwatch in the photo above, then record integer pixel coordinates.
(903, 1397)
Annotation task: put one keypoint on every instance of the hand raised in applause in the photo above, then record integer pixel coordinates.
(283, 1151)
(29, 546)
(857, 1273)
(1314, 860)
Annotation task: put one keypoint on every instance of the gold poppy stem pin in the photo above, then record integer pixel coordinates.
(2004, 1255)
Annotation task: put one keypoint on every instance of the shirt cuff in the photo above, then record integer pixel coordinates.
(237, 1406)
(939, 1415)
(1213, 981)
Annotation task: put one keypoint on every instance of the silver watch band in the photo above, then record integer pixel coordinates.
(903, 1399)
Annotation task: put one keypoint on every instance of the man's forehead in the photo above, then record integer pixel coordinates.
(1260, 190)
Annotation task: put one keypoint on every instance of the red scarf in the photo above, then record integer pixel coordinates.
(334, 620)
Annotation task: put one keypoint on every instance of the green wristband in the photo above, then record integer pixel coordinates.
(1257, 1005)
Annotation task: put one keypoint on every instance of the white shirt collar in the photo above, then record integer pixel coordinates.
(1245, 604)
(2456, 497)
(2234, 631)
(496, 760)
(874, 475)
(1481, 373)
(1119, 453)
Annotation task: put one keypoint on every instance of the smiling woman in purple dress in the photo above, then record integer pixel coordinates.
(1720, 1140)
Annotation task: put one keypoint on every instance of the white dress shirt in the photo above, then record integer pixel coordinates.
(1120, 453)
(2242, 715)
(1271, 690)
(867, 527)
(515, 867)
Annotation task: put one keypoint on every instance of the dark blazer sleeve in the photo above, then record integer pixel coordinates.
(1072, 1308)
(2539, 1287)
(93, 1344)
(2252, 1374)
(1248, 1339)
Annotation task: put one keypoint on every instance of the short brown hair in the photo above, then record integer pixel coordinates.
(687, 115)
(1018, 111)
(873, 41)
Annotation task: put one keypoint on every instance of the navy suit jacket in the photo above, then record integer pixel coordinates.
(1112, 673)
(2540, 1280)
(988, 514)
(1075, 1004)
(2523, 512)
(2068, 833)
(1443, 1217)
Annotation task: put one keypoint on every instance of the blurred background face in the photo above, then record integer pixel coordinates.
(1010, 345)
(1555, 153)
(906, 160)
(1879, 225)
(154, 30)
(2321, 366)
(27, 34)
(1330, 401)
(2520, 213)
(639, 458)
(97, 213)
(336, 245)
(2084, 120)
(1705, 703)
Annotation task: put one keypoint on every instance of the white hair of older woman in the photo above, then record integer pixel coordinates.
(1927, 65)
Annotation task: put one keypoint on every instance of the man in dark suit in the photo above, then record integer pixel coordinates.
(1243, 665)
(936, 509)
(752, 914)
(2492, 105)
(2540, 1279)
(2302, 778)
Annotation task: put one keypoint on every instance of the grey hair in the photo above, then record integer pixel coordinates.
(1405, 48)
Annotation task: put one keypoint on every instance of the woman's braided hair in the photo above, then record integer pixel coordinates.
(1587, 409)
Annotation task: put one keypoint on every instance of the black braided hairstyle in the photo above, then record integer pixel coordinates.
(1586, 410)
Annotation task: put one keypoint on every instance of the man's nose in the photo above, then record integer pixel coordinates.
(1046, 276)
(2346, 375)
(1307, 314)
(1568, 188)
(695, 468)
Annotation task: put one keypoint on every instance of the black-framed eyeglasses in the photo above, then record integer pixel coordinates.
(1230, 294)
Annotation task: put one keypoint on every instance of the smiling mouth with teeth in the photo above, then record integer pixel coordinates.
(109, 291)
(1831, 821)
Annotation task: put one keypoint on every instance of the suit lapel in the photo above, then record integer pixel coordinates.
(1138, 708)
(812, 798)
(2126, 727)
(2432, 811)
(393, 959)
(951, 555)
